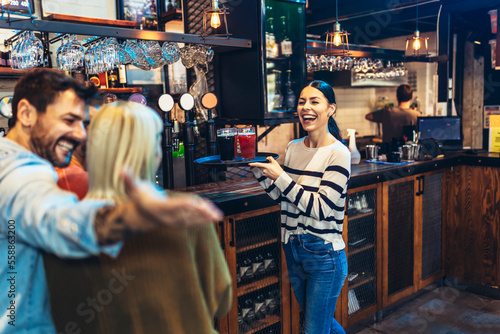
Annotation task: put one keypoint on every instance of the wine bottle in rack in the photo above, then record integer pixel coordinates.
(246, 270)
(269, 264)
(272, 301)
(260, 307)
(248, 311)
(258, 266)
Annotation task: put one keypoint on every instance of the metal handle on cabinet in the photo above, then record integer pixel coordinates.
(231, 221)
(420, 185)
(222, 236)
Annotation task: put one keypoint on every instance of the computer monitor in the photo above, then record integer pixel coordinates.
(446, 130)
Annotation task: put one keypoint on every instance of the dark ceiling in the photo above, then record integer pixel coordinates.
(368, 20)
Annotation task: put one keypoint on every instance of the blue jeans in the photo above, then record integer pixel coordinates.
(317, 274)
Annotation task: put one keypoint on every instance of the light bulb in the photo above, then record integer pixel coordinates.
(337, 39)
(215, 20)
(416, 44)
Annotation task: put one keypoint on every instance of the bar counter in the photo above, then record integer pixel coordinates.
(420, 222)
(246, 194)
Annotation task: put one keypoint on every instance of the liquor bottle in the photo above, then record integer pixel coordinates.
(278, 97)
(269, 263)
(3, 61)
(286, 43)
(238, 274)
(240, 317)
(272, 302)
(112, 79)
(246, 270)
(290, 99)
(122, 75)
(272, 50)
(258, 266)
(248, 311)
(260, 307)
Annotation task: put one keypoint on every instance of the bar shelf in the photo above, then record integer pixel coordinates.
(257, 285)
(354, 250)
(257, 245)
(360, 281)
(269, 320)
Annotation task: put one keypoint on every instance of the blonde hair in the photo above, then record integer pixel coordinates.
(121, 134)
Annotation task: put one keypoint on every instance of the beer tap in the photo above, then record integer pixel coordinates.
(186, 102)
(166, 104)
(209, 101)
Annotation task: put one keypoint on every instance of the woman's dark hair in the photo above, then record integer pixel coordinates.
(328, 92)
(41, 86)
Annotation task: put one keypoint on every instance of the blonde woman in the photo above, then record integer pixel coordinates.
(172, 280)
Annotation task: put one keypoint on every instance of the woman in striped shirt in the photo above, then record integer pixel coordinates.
(312, 190)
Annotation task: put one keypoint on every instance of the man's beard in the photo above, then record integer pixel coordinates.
(42, 147)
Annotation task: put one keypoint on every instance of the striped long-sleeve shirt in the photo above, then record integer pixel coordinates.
(311, 190)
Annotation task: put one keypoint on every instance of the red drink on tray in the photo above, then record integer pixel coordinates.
(246, 138)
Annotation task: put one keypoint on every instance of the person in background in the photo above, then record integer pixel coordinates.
(49, 109)
(199, 288)
(312, 189)
(394, 119)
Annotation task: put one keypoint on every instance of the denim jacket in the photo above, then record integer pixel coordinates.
(36, 216)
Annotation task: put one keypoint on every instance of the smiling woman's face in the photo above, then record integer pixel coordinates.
(314, 110)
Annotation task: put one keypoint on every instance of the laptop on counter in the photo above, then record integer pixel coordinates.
(445, 130)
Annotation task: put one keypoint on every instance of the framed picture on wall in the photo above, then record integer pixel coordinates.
(144, 12)
(21, 6)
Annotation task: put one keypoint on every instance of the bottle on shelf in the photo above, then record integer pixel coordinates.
(258, 266)
(269, 264)
(286, 43)
(278, 97)
(272, 49)
(240, 317)
(246, 270)
(122, 75)
(260, 307)
(238, 273)
(3, 60)
(290, 99)
(112, 79)
(248, 311)
(272, 301)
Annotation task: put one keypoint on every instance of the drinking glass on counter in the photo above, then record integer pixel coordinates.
(246, 138)
(225, 142)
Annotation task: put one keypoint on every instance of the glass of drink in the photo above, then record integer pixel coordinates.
(246, 138)
(225, 142)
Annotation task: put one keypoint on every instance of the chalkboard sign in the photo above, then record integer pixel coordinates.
(22, 6)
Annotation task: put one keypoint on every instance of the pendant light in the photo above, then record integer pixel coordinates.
(216, 16)
(418, 44)
(338, 37)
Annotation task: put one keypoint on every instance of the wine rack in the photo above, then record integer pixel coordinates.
(252, 244)
(361, 245)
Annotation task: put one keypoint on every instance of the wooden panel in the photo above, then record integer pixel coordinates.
(473, 96)
(452, 217)
(91, 20)
(431, 227)
(400, 236)
(473, 224)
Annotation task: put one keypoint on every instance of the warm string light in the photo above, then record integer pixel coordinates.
(338, 37)
(417, 41)
(215, 19)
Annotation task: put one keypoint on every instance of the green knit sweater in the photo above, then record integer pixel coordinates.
(167, 281)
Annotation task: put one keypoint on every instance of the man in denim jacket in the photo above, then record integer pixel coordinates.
(49, 109)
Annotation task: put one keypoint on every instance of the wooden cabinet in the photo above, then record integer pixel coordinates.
(412, 234)
(361, 294)
(261, 297)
